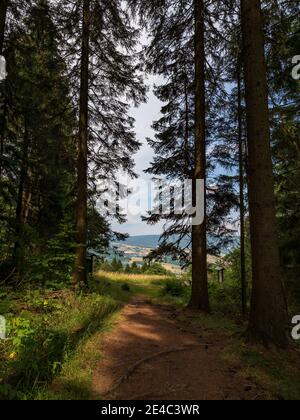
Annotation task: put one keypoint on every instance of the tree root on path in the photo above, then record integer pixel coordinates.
(134, 367)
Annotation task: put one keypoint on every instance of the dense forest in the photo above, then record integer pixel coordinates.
(229, 86)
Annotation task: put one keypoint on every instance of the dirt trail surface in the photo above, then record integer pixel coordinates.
(152, 355)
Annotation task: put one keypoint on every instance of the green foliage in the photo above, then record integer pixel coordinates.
(99, 232)
(226, 298)
(45, 337)
(155, 269)
(135, 268)
(36, 199)
(284, 30)
(277, 369)
(20, 330)
(126, 287)
(115, 266)
(40, 352)
(53, 267)
(175, 288)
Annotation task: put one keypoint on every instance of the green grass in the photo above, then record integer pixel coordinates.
(112, 284)
(75, 379)
(54, 336)
(45, 334)
(276, 372)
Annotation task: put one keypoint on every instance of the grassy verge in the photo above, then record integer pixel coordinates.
(75, 379)
(46, 331)
(53, 336)
(276, 372)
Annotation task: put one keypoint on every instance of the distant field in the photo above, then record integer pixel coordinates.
(130, 277)
(121, 286)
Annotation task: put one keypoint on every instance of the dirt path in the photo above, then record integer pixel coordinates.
(151, 355)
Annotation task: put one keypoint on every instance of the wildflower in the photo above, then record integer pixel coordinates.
(12, 356)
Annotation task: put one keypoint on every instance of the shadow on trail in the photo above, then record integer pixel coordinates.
(151, 355)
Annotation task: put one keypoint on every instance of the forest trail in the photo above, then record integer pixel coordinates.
(153, 355)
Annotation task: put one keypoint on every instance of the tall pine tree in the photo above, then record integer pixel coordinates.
(39, 155)
(104, 62)
(268, 307)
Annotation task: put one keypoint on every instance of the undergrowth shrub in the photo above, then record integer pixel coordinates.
(175, 288)
(225, 298)
(38, 345)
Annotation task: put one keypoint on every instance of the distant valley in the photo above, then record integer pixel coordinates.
(136, 248)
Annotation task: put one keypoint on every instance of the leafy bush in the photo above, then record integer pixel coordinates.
(41, 354)
(157, 270)
(54, 264)
(126, 287)
(225, 298)
(175, 288)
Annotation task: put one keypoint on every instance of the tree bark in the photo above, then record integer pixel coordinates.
(242, 196)
(3, 13)
(18, 253)
(268, 318)
(27, 197)
(199, 299)
(80, 272)
(186, 148)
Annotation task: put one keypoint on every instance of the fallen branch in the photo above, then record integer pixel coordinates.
(133, 368)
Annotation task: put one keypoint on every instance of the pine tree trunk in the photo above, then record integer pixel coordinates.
(27, 197)
(268, 316)
(80, 272)
(186, 148)
(199, 299)
(3, 13)
(242, 196)
(18, 253)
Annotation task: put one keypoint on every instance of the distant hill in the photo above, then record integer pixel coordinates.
(145, 241)
(152, 242)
